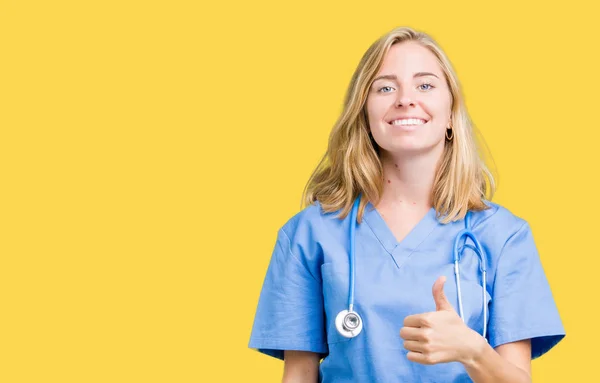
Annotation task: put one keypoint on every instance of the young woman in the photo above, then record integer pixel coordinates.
(400, 269)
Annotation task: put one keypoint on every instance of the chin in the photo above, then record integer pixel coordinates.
(409, 146)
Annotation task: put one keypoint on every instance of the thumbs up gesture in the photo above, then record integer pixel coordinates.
(439, 336)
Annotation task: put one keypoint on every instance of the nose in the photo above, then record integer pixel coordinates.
(405, 99)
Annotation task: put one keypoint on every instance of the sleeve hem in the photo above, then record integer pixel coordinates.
(276, 347)
(551, 338)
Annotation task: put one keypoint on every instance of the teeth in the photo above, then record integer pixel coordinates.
(408, 121)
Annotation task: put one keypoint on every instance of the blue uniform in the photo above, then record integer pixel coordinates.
(307, 281)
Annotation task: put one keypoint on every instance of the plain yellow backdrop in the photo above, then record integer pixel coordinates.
(150, 150)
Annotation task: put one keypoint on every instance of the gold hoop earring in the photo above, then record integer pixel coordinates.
(451, 134)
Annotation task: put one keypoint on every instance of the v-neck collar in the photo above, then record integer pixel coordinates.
(400, 251)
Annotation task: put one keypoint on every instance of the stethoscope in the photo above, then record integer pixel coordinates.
(349, 324)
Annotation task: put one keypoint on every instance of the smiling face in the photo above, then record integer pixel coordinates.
(409, 103)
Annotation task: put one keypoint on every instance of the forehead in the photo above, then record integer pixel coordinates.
(409, 57)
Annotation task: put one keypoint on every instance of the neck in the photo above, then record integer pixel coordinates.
(408, 180)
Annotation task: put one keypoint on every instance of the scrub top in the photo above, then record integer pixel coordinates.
(307, 282)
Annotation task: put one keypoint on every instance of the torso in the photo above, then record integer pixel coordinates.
(400, 252)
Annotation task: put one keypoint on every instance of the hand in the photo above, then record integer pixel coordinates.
(440, 336)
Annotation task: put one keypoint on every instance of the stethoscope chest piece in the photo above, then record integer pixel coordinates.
(348, 323)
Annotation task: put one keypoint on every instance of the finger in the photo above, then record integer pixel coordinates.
(412, 333)
(415, 346)
(441, 302)
(419, 320)
(419, 358)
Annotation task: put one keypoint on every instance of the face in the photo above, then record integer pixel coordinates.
(409, 103)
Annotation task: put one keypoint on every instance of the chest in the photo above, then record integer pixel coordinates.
(401, 221)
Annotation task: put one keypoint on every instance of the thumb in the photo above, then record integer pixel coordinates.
(441, 303)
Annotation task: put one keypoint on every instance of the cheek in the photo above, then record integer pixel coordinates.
(439, 108)
(447, 104)
(376, 110)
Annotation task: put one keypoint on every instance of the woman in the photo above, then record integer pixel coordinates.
(402, 173)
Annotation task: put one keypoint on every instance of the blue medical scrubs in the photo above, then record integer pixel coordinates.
(306, 286)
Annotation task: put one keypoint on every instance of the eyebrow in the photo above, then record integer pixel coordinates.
(394, 77)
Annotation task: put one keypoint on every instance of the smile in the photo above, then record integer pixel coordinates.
(408, 122)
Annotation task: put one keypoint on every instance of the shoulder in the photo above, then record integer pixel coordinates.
(311, 230)
(497, 225)
(310, 220)
(310, 216)
(497, 218)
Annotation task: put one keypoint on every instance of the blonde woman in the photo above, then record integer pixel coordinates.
(400, 268)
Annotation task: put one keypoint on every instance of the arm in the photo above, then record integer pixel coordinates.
(509, 362)
(442, 336)
(301, 367)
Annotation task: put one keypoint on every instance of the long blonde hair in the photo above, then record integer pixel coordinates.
(351, 164)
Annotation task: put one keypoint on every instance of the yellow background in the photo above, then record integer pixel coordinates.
(150, 150)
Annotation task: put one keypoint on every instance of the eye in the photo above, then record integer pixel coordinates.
(425, 86)
(384, 87)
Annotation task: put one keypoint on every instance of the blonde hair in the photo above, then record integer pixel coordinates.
(351, 164)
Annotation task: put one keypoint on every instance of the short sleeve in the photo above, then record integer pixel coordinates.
(522, 305)
(290, 313)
